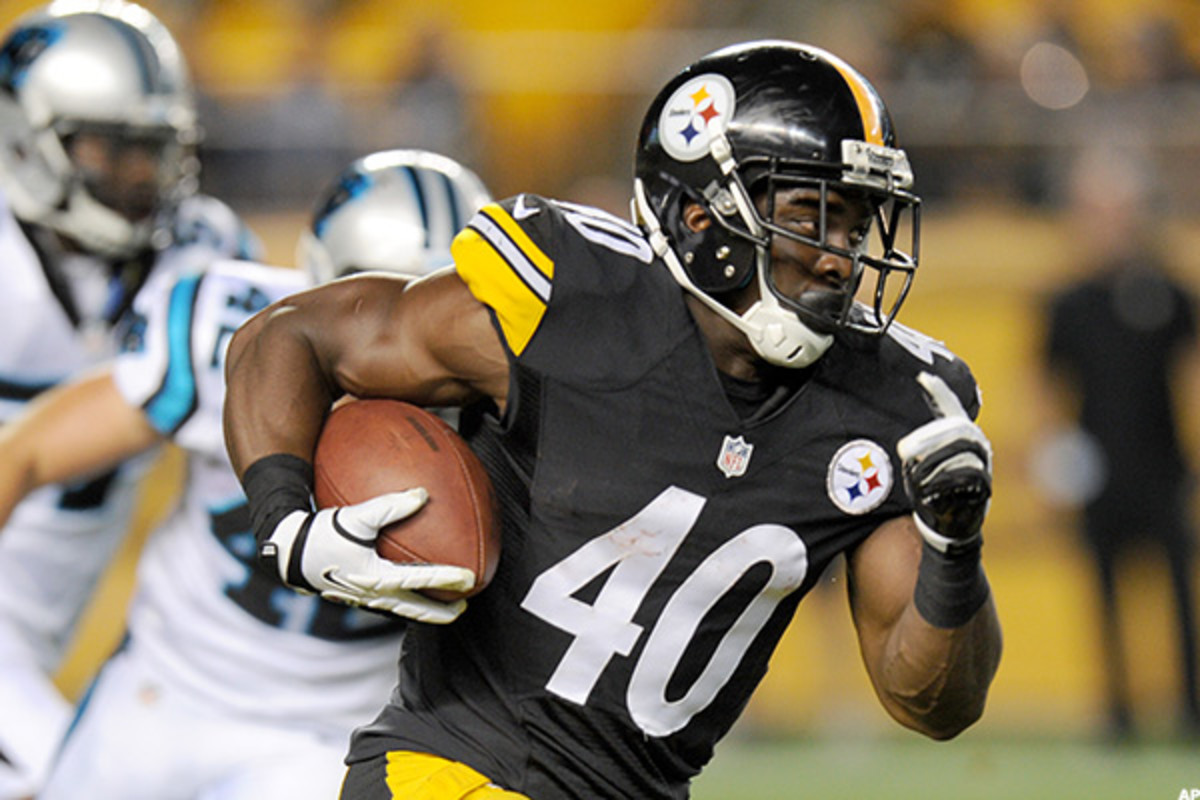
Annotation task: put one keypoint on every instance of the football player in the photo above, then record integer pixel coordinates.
(691, 417)
(97, 192)
(228, 684)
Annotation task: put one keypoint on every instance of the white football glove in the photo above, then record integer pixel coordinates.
(332, 553)
(947, 466)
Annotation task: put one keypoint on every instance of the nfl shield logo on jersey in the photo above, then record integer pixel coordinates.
(734, 456)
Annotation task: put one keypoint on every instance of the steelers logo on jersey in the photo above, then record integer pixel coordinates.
(698, 110)
(860, 476)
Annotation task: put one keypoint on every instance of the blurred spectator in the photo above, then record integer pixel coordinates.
(275, 149)
(930, 49)
(937, 67)
(427, 107)
(1164, 53)
(1115, 351)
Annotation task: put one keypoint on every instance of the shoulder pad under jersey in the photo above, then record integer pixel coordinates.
(574, 276)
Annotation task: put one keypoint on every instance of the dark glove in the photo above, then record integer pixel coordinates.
(947, 466)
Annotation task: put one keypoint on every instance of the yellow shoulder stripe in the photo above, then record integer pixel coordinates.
(506, 271)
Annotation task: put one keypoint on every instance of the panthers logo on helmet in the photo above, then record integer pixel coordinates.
(860, 476)
(353, 183)
(698, 110)
(21, 50)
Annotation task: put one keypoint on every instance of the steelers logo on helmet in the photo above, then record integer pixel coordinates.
(860, 476)
(698, 110)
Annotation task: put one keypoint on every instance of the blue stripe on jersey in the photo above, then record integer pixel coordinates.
(175, 401)
(524, 269)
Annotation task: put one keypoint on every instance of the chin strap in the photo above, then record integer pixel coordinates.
(775, 332)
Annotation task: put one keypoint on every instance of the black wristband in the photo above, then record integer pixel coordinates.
(950, 587)
(275, 486)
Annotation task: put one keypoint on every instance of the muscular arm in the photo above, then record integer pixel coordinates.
(69, 432)
(933, 680)
(429, 342)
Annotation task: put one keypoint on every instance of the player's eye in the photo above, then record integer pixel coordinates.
(805, 223)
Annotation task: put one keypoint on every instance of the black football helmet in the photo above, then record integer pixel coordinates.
(755, 118)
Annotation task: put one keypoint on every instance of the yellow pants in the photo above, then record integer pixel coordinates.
(420, 776)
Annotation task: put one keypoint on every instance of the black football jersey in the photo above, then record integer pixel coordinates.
(656, 543)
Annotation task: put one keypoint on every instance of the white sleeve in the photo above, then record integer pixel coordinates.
(172, 359)
(154, 369)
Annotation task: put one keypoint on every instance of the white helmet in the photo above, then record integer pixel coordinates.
(109, 73)
(395, 211)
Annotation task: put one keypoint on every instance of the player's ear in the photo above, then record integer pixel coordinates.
(695, 217)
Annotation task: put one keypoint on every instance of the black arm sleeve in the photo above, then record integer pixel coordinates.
(275, 486)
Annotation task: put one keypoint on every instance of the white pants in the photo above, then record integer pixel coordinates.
(50, 563)
(34, 717)
(138, 738)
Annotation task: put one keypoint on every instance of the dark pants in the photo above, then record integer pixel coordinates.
(1157, 526)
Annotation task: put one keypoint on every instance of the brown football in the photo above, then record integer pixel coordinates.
(374, 446)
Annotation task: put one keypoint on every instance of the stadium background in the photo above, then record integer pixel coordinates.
(991, 97)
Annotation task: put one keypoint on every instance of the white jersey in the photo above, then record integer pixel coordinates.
(55, 320)
(206, 615)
